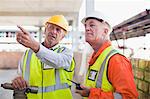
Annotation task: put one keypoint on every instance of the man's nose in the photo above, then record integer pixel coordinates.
(87, 28)
(53, 31)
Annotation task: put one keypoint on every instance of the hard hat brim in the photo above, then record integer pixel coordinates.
(97, 15)
(58, 25)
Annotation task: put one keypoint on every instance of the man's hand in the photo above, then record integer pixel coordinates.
(85, 92)
(25, 38)
(19, 83)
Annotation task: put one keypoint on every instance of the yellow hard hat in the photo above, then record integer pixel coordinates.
(59, 20)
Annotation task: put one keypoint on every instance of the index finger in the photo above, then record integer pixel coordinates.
(22, 29)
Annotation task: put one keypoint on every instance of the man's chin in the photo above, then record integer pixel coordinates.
(88, 40)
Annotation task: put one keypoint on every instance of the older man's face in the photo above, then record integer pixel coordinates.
(54, 34)
(94, 31)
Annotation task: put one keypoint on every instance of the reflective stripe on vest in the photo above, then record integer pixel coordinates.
(27, 70)
(99, 80)
(58, 84)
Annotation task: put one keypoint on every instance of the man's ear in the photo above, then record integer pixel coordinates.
(106, 31)
(63, 35)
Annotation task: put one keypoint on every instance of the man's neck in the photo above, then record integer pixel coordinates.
(49, 45)
(97, 46)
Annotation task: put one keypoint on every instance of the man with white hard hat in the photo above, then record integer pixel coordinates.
(109, 74)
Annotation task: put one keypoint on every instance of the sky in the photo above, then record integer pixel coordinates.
(120, 10)
(116, 10)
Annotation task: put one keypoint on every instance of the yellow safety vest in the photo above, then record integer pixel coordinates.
(97, 73)
(52, 83)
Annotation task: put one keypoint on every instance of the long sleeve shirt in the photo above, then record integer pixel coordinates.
(51, 58)
(120, 76)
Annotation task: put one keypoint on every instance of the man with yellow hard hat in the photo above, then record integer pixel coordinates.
(48, 65)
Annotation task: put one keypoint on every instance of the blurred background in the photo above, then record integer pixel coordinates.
(131, 27)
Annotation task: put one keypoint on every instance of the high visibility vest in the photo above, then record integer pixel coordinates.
(52, 83)
(97, 73)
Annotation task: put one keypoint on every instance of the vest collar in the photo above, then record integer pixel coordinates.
(96, 54)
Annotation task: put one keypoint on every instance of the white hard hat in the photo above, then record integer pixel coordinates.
(97, 15)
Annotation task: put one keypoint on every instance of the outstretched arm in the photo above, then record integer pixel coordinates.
(26, 39)
(49, 57)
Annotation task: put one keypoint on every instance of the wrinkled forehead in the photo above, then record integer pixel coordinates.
(52, 25)
(93, 21)
(100, 20)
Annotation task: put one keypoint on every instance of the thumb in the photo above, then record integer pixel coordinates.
(84, 87)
